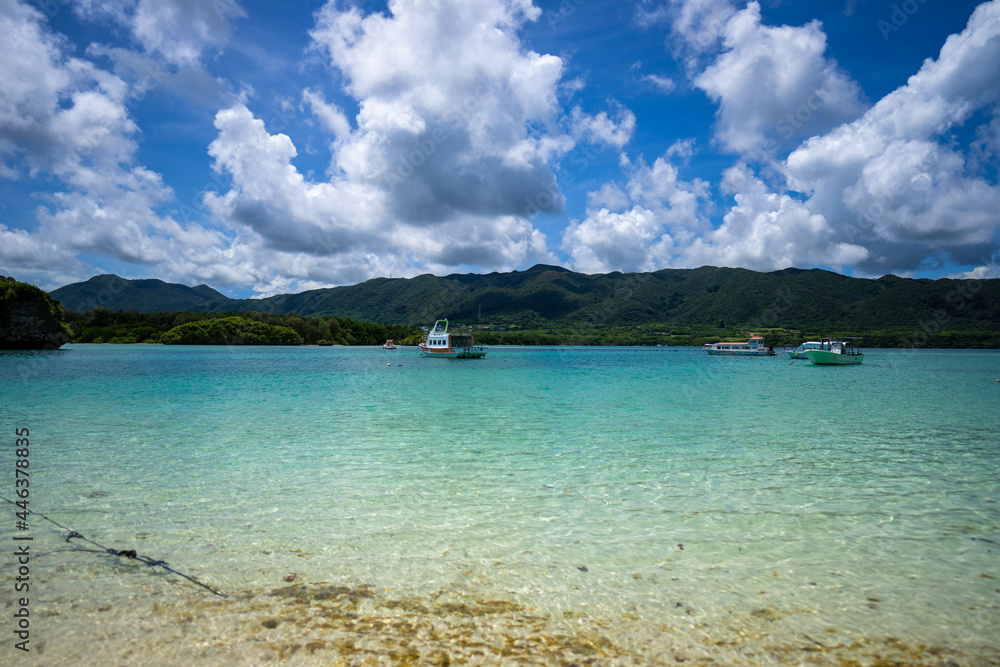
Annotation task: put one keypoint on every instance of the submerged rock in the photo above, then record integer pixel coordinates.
(29, 319)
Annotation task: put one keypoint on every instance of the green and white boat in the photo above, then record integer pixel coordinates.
(836, 352)
(800, 351)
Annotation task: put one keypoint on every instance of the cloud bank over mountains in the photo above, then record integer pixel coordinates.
(446, 135)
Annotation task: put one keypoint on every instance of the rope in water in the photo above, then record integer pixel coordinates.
(125, 553)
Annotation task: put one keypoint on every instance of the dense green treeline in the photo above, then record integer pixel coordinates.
(695, 336)
(101, 325)
(253, 328)
(230, 331)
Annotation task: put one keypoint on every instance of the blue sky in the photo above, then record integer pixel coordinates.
(264, 147)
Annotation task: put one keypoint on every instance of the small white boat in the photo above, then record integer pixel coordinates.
(800, 351)
(440, 343)
(388, 345)
(836, 352)
(754, 347)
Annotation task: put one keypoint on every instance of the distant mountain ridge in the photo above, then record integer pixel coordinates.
(554, 296)
(148, 295)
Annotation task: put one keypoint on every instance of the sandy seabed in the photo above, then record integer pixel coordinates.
(133, 615)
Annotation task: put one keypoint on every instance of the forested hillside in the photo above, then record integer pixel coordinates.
(547, 297)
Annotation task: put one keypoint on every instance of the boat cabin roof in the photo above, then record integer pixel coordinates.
(740, 342)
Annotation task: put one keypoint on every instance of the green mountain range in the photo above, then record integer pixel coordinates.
(549, 296)
(147, 296)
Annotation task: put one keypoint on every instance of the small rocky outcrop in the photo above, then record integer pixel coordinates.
(29, 319)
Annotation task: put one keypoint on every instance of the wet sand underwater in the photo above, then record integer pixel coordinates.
(96, 609)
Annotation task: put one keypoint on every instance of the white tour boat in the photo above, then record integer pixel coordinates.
(754, 347)
(836, 352)
(388, 345)
(800, 351)
(440, 343)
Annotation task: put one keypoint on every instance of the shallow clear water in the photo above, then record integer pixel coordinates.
(667, 502)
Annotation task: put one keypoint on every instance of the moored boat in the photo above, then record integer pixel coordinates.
(836, 352)
(800, 351)
(388, 345)
(441, 343)
(754, 347)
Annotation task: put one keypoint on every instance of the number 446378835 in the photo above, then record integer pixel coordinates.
(22, 451)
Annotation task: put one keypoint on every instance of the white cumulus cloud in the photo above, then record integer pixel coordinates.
(768, 231)
(640, 228)
(774, 85)
(893, 178)
(443, 167)
(65, 118)
(177, 30)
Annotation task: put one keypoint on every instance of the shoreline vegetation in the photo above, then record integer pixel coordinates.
(30, 319)
(102, 325)
(550, 305)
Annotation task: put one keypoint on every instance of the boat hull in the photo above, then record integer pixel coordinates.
(800, 351)
(474, 352)
(741, 353)
(754, 347)
(827, 358)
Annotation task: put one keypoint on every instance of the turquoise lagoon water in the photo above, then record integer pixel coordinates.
(550, 505)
